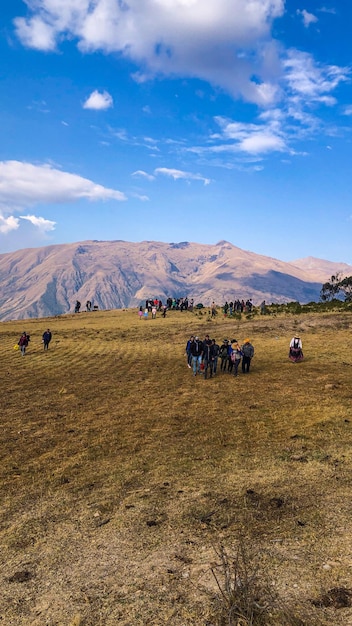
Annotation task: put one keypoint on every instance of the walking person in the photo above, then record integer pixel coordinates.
(248, 354)
(47, 336)
(196, 348)
(296, 349)
(23, 342)
(188, 351)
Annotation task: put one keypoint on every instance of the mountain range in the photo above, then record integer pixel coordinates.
(46, 281)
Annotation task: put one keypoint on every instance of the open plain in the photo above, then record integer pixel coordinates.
(133, 493)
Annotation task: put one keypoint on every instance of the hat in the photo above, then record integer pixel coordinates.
(233, 340)
(247, 340)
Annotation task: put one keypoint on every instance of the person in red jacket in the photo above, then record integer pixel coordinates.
(23, 342)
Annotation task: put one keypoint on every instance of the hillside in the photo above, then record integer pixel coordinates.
(127, 484)
(46, 281)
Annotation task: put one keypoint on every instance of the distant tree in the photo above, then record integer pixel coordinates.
(346, 287)
(331, 289)
(337, 286)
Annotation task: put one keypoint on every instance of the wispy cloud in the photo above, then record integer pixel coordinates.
(181, 174)
(99, 101)
(41, 223)
(143, 174)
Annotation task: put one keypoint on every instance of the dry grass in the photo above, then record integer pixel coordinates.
(125, 480)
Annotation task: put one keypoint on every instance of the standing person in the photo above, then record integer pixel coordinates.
(208, 357)
(188, 351)
(47, 336)
(262, 308)
(224, 353)
(77, 306)
(154, 312)
(140, 312)
(215, 355)
(196, 348)
(295, 353)
(88, 306)
(236, 356)
(23, 342)
(213, 309)
(248, 354)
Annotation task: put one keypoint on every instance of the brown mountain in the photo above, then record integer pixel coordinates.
(47, 281)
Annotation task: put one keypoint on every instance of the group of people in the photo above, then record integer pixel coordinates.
(25, 339)
(203, 356)
(88, 306)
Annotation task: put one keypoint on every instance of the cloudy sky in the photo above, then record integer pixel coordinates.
(178, 120)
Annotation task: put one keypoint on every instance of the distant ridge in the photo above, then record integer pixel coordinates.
(41, 282)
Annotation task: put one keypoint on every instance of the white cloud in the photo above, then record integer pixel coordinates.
(99, 101)
(7, 224)
(143, 174)
(308, 18)
(307, 79)
(348, 110)
(225, 42)
(41, 223)
(25, 184)
(180, 174)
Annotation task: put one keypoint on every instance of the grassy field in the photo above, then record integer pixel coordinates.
(133, 493)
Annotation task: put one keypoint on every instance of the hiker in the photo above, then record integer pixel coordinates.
(188, 351)
(213, 309)
(154, 312)
(196, 349)
(23, 342)
(216, 352)
(88, 305)
(140, 312)
(229, 356)
(224, 354)
(236, 356)
(47, 336)
(248, 354)
(295, 352)
(77, 306)
(263, 308)
(208, 357)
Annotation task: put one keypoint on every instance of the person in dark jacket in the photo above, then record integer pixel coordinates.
(248, 354)
(46, 338)
(188, 351)
(224, 355)
(196, 349)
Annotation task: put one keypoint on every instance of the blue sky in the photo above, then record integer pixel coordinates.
(177, 120)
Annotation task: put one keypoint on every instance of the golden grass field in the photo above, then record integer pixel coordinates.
(133, 493)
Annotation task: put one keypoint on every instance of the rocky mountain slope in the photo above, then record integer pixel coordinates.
(38, 282)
